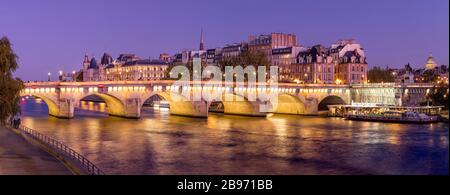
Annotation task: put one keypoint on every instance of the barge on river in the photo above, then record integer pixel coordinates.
(394, 116)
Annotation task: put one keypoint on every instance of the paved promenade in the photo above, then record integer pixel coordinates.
(19, 157)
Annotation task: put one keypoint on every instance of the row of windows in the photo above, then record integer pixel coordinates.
(140, 68)
(357, 77)
(324, 68)
(358, 68)
(131, 76)
(328, 77)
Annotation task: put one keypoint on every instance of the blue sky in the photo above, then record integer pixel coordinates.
(51, 35)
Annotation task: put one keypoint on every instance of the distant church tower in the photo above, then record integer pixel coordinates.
(202, 46)
(86, 63)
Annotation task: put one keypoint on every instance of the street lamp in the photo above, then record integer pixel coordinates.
(60, 75)
(49, 74)
(73, 76)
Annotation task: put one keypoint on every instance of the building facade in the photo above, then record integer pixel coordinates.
(314, 65)
(139, 70)
(342, 63)
(351, 62)
(265, 43)
(234, 50)
(283, 58)
(127, 67)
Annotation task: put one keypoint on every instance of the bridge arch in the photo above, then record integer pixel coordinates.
(289, 104)
(329, 100)
(180, 105)
(238, 105)
(115, 106)
(216, 106)
(53, 108)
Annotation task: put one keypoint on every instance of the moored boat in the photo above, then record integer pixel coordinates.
(394, 116)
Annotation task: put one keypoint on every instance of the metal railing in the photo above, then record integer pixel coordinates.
(63, 149)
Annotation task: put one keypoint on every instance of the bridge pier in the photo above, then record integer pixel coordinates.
(64, 108)
(191, 109)
(311, 106)
(131, 109)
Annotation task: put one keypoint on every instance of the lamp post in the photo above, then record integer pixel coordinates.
(73, 76)
(60, 75)
(49, 74)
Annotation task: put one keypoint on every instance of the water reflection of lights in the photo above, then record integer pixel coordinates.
(280, 125)
(38, 100)
(102, 107)
(93, 106)
(217, 122)
(161, 143)
(444, 141)
(162, 109)
(161, 104)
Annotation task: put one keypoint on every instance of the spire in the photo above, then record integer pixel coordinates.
(202, 46)
(86, 58)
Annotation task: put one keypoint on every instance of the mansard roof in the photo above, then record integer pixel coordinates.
(317, 50)
(352, 53)
(93, 64)
(106, 59)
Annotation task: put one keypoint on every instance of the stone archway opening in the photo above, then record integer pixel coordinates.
(330, 100)
(216, 107)
(93, 103)
(176, 103)
(156, 101)
(155, 104)
(112, 105)
(40, 103)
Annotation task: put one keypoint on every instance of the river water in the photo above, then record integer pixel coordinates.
(160, 143)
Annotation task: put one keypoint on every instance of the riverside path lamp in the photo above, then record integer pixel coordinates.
(49, 74)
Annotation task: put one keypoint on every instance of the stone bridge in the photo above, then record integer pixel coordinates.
(126, 98)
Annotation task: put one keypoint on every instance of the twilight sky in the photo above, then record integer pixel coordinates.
(52, 35)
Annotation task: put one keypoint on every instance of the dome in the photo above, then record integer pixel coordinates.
(93, 64)
(431, 64)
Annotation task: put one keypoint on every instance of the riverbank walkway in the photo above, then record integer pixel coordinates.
(20, 157)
